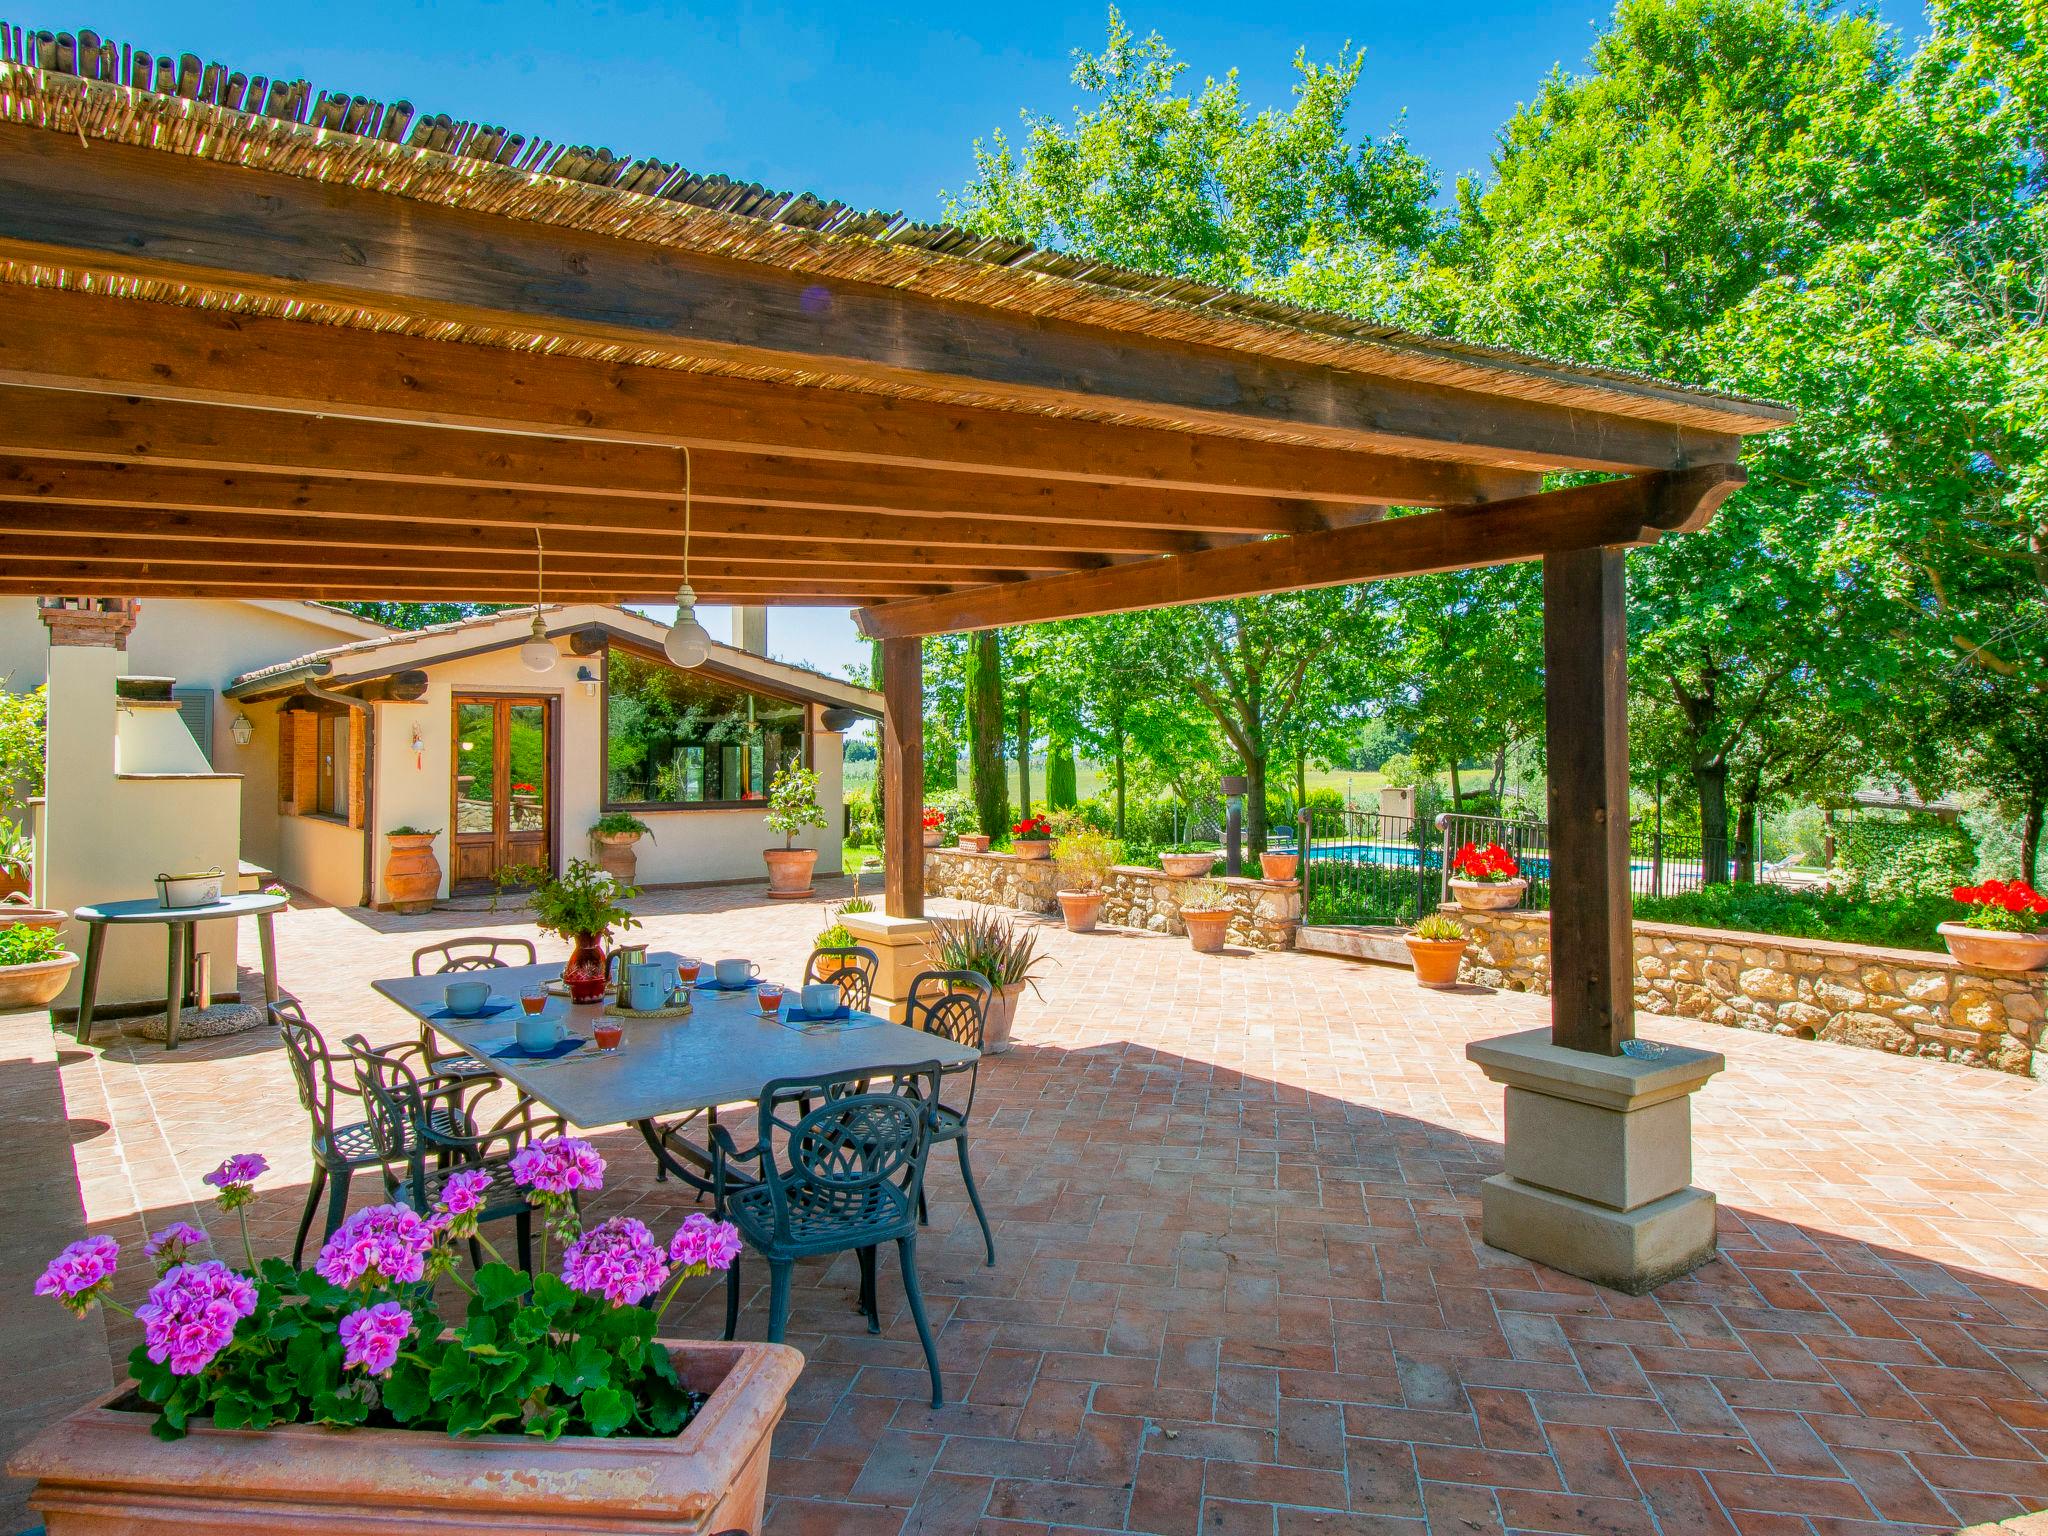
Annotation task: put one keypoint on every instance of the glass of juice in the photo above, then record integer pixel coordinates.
(770, 995)
(607, 1033)
(534, 998)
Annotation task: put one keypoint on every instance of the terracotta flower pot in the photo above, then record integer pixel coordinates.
(789, 871)
(1081, 909)
(1436, 960)
(934, 836)
(1488, 895)
(1990, 950)
(12, 884)
(99, 1472)
(1037, 848)
(1000, 1019)
(19, 914)
(585, 972)
(1279, 866)
(36, 984)
(974, 842)
(1187, 866)
(615, 855)
(412, 875)
(1207, 928)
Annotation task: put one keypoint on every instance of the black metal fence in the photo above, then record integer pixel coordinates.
(1362, 867)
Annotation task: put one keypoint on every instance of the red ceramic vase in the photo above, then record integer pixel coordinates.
(584, 973)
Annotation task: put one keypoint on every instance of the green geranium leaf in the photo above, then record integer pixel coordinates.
(607, 1409)
(500, 1285)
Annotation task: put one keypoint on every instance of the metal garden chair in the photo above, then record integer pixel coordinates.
(406, 1120)
(340, 1147)
(954, 1004)
(481, 953)
(846, 1174)
(849, 967)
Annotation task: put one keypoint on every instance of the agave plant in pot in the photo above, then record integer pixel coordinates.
(792, 806)
(1205, 912)
(583, 905)
(1436, 946)
(339, 1399)
(1083, 858)
(993, 947)
(2004, 930)
(1486, 878)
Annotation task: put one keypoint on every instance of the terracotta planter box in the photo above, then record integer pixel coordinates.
(1036, 849)
(101, 1473)
(1279, 866)
(995, 1032)
(36, 984)
(1488, 895)
(1207, 929)
(974, 842)
(412, 875)
(1081, 909)
(1435, 960)
(789, 872)
(615, 855)
(1187, 866)
(1990, 950)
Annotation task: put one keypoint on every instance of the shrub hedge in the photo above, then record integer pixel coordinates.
(1905, 922)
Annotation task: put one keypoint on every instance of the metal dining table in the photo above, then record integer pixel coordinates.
(179, 943)
(668, 1073)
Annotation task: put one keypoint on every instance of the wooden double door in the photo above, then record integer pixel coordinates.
(503, 793)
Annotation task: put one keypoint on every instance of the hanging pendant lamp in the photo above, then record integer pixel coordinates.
(538, 654)
(687, 645)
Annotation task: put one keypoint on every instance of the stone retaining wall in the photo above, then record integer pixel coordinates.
(1908, 1002)
(1265, 913)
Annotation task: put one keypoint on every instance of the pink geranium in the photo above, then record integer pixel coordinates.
(385, 1245)
(191, 1314)
(169, 1245)
(81, 1274)
(236, 1178)
(371, 1338)
(560, 1166)
(702, 1245)
(619, 1261)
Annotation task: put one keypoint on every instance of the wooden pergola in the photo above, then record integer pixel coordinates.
(260, 340)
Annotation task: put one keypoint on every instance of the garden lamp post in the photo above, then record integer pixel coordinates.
(1234, 786)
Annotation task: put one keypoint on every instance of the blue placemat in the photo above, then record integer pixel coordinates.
(797, 1015)
(495, 1005)
(512, 1050)
(713, 984)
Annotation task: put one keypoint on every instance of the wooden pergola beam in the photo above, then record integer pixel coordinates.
(205, 456)
(1637, 510)
(91, 343)
(132, 211)
(98, 583)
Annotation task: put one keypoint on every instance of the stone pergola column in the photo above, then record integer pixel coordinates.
(1598, 1181)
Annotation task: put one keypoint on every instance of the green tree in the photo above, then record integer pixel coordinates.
(982, 684)
(417, 615)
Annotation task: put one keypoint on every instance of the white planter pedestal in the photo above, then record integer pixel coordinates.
(901, 945)
(1599, 1160)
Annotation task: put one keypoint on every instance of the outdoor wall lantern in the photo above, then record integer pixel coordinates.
(243, 729)
(588, 679)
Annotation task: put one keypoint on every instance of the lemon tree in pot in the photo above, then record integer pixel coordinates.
(1436, 945)
(792, 806)
(1205, 913)
(1083, 859)
(34, 966)
(340, 1395)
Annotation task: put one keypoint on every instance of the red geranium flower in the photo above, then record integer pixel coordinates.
(2006, 895)
(934, 818)
(1490, 863)
(1032, 829)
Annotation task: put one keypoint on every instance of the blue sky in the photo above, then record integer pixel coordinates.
(878, 108)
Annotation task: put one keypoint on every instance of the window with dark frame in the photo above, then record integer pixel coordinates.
(678, 739)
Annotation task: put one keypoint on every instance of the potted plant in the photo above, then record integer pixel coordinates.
(613, 835)
(792, 806)
(1031, 838)
(1084, 857)
(934, 826)
(583, 905)
(1486, 878)
(1279, 866)
(1205, 912)
(34, 966)
(1436, 944)
(997, 949)
(2003, 931)
(340, 1399)
(17, 860)
(412, 875)
(973, 842)
(1187, 861)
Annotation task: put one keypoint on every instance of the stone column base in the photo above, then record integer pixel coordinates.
(1599, 1160)
(902, 944)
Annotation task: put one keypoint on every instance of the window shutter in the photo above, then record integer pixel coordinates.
(287, 757)
(195, 708)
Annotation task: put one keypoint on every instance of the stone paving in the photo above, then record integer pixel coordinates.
(1240, 1286)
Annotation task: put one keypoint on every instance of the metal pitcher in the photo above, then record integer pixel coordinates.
(618, 971)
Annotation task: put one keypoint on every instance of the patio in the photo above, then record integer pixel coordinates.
(1240, 1287)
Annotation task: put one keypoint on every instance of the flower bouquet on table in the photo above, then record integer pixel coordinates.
(2004, 928)
(1486, 878)
(584, 905)
(1031, 838)
(357, 1340)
